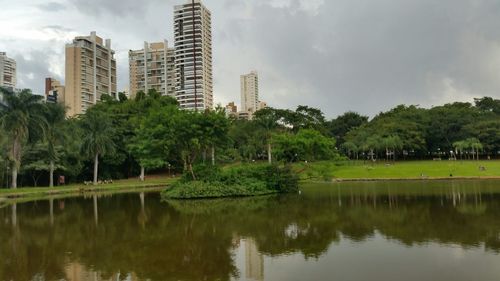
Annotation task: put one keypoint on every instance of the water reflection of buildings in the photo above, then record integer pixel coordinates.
(254, 262)
(77, 272)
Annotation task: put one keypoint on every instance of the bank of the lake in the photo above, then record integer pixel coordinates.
(160, 182)
(403, 170)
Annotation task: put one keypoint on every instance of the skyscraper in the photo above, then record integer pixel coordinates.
(249, 93)
(193, 55)
(7, 71)
(152, 68)
(90, 72)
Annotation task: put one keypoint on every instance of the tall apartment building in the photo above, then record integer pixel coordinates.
(250, 92)
(90, 72)
(54, 91)
(193, 55)
(7, 71)
(152, 68)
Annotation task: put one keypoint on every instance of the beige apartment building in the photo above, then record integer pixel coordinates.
(54, 91)
(232, 110)
(90, 73)
(152, 68)
(250, 92)
(7, 71)
(193, 56)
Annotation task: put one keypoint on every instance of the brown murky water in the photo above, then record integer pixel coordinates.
(350, 231)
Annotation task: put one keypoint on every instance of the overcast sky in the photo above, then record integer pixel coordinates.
(337, 55)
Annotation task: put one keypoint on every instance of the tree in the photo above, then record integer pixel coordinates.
(216, 126)
(475, 146)
(97, 137)
(22, 119)
(391, 144)
(307, 144)
(154, 137)
(372, 144)
(350, 147)
(460, 147)
(54, 134)
(488, 104)
(268, 119)
(339, 127)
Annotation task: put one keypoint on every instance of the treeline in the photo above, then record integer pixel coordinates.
(127, 138)
(456, 130)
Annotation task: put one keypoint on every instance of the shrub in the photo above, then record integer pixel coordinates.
(248, 180)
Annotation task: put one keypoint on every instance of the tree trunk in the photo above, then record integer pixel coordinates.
(269, 153)
(213, 155)
(386, 154)
(191, 171)
(142, 173)
(51, 180)
(14, 176)
(96, 167)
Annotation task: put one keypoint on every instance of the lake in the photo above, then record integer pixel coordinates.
(446, 230)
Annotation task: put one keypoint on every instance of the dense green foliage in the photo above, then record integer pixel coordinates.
(246, 180)
(124, 138)
(412, 132)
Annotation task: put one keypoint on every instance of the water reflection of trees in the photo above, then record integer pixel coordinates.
(146, 239)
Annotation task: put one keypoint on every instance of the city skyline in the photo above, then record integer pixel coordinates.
(334, 55)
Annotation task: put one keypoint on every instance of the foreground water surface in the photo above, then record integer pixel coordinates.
(348, 231)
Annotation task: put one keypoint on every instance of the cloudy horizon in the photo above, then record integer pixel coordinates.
(337, 55)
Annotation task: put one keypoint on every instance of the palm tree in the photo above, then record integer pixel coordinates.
(268, 120)
(460, 146)
(476, 146)
(54, 134)
(21, 118)
(97, 141)
(350, 147)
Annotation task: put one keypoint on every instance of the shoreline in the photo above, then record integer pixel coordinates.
(31, 194)
(414, 179)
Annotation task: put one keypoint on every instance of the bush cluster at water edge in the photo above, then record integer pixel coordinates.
(247, 180)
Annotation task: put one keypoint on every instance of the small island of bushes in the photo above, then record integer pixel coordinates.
(241, 181)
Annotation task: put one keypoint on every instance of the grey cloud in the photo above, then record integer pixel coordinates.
(371, 55)
(51, 7)
(337, 55)
(32, 69)
(116, 7)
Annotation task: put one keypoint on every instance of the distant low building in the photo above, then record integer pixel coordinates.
(232, 110)
(262, 105)
(244, 115)
(54, 91)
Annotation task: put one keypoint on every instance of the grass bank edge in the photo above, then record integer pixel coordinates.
(127, 185)
(411, 170)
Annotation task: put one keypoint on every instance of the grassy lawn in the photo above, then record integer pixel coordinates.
(128, 184)
(399, 170)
